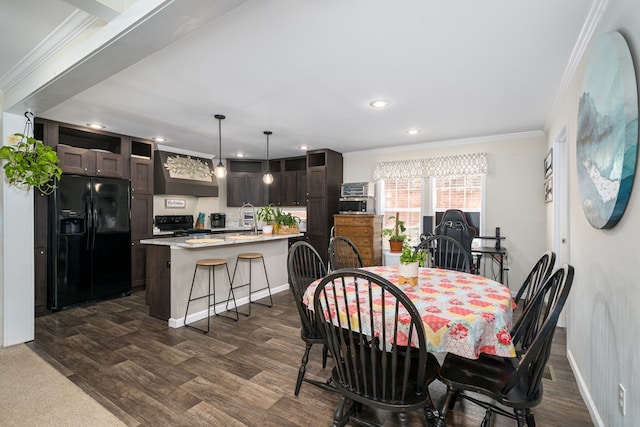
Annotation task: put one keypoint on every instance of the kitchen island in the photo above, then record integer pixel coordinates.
(171, 261)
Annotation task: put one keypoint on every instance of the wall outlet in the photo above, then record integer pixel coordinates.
(622, 400)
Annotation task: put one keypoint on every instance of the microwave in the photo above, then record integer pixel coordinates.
(357, 205)
(358, 189)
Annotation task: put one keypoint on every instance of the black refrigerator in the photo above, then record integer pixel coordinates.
(90, 240)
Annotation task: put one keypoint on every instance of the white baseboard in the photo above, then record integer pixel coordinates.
(179, 322)
(584, 391)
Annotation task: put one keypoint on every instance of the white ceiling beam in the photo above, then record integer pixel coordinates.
(101, 9)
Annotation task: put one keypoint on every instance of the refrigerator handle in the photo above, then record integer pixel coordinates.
(94, 225)
(89, 223)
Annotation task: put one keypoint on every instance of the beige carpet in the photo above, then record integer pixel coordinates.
(33, 393)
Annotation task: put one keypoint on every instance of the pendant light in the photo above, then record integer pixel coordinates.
(220, 170)
(267, 178)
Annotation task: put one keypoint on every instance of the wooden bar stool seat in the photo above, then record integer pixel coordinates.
(211, 264)
(250, 256)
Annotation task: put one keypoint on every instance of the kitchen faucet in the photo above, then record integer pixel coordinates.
(241, 215)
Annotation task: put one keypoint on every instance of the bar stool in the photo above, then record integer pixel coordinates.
(211, 264)
(250, 256)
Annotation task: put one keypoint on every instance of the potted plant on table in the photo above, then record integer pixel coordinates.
(410, 261)
(396, 234)
(267, 216)
(285, 223)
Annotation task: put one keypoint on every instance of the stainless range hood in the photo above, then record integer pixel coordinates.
(184, 175)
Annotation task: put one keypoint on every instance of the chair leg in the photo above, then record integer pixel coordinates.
(520, 417)
(268, 285)
(325, 355)
(235, 268)
(340, 418)
(206, 331)
(303, 368)
(486, 421)
(440, 422)
(531, 422)
(452, 403)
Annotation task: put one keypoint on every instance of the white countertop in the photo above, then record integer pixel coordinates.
(211, 240)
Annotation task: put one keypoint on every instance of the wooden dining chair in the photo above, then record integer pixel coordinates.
(379, 347)
(514, 383)
(343, 254)
(446, 252)
(304, 265)
(540, 272)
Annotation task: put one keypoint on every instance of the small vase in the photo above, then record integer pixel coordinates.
(408, 273)
(395, 245)
(267, 229)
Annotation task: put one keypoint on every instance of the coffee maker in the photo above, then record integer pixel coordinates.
(218, 220)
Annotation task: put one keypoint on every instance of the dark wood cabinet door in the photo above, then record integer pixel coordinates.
(109, 165)
(316, 182)
(290, 188)
(40, 219)
(159, 281)
(257, 194)
(40, 279)
(141, 216)
(78, 161)
(320, 244)
(138, 265)
(141, 175)
(318, 223)
(236, 189)
(275, 190)
(301, 189)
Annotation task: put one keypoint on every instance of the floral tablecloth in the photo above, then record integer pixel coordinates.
(462, 313)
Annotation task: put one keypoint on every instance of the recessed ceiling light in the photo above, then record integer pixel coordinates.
(413, 131)
(159, 139)
(303, 147)
(95, 126)
(379, 103)
(241, 155)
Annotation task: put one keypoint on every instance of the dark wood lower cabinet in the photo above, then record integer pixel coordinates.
(40, 280)
(159, 281)
(138, 266)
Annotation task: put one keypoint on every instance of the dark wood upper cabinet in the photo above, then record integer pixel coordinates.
(244, 183)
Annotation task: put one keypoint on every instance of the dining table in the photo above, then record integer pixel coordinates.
(462, 313)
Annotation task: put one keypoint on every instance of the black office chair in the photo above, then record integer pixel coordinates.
(375, 366)
(514, 383)
(343, 254)
(454, 224)
(304, 265)
(446, 252)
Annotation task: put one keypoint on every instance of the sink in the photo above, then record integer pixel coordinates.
(243, 237)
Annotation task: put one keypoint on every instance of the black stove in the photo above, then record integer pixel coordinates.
(181, 225)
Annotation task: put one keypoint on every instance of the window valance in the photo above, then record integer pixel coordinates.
(464, 164)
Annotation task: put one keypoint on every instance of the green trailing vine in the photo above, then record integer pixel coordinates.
(30, 163)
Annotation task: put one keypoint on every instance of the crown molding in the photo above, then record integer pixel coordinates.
(451, 142)
(586, 34)
(64, 33)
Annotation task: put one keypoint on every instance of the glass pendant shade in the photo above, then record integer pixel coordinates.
(220, 171)
(267, 178)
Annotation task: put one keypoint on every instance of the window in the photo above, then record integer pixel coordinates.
(402, 196)
(462, 192)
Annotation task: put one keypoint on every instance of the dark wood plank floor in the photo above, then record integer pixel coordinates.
(240, 374)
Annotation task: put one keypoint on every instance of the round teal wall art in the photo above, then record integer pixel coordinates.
(607, 141)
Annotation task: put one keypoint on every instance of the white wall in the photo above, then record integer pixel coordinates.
(603, 315)
(16, 250)
(514, 197)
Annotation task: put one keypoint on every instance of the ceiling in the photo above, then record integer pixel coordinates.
(306, 70)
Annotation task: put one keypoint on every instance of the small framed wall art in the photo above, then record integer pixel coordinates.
(175, 203)
(548, 164)
(548, 190)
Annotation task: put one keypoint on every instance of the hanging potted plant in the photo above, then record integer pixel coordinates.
(29, 163)
(396, 235)
(410, 261)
